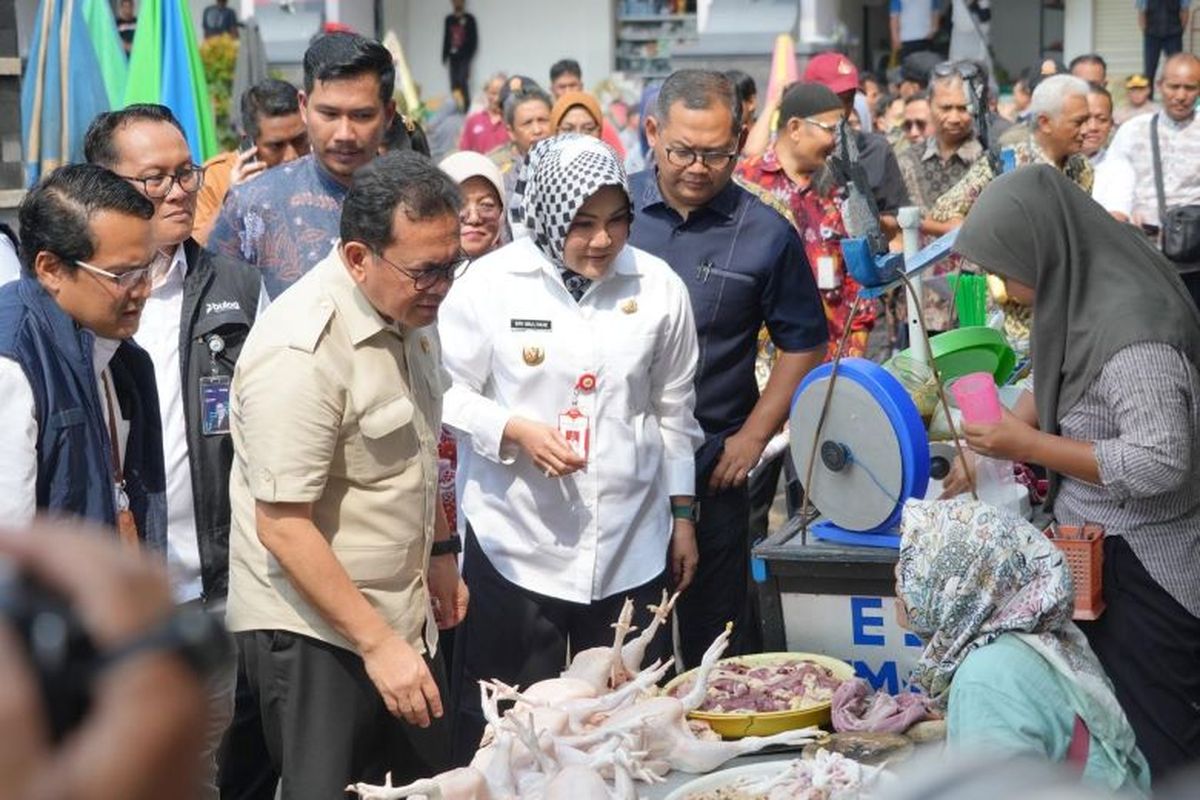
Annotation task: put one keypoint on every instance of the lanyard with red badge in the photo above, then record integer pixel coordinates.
(573, 424)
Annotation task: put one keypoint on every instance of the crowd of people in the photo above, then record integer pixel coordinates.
(406, 425)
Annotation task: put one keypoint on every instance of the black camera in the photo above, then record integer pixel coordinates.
(58, 648)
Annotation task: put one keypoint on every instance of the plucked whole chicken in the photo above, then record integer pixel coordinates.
(593, 733)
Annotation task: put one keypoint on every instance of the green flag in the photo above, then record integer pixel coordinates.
(165, 68)
(114, 65)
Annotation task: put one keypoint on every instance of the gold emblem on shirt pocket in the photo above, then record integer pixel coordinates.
(387, 442)
(533, 355)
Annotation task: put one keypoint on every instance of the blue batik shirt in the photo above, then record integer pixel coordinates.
(284, 221)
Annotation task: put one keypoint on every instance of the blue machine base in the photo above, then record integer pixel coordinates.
(828, 532)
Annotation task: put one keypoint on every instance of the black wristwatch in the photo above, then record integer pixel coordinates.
(195, 635)
(446, 547)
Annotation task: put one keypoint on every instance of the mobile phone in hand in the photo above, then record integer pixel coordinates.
(244, 144)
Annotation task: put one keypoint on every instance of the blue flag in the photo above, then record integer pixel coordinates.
(63, 89)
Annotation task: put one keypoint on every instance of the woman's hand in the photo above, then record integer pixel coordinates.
(1010, 438)
(961, 477)
(683, 555)
(545, 446)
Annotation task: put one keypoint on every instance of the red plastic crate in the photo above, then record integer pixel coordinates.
(1083, 549)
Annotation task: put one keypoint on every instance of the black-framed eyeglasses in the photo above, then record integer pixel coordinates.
(918, 124)
(159, 186)
(683, 157)
(430, 276)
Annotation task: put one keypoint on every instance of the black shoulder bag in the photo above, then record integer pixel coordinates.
(1179, 228)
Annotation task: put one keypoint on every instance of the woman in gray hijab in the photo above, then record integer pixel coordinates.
(1115, 419)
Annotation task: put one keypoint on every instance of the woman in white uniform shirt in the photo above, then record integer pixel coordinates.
(567, 333)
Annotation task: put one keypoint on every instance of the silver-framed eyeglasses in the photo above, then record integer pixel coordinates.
(825, 126)
(713, 159)
(124, 280)
(159, 186)
(428, 277)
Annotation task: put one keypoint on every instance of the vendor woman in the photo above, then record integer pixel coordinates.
(572, 356)
(1115, 419)
(991, 598)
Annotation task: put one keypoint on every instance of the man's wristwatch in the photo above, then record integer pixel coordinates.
(446, 547)
(687, 512)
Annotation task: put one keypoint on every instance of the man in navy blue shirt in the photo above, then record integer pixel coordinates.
(744, 265)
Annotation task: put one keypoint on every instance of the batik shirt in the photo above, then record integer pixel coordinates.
(815, 212)
(958, 201)
(928, 177)
(284, 222)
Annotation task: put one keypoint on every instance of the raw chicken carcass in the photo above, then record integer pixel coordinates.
(855, 708)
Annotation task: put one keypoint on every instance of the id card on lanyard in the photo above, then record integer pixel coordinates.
(573, 424)
(214, 394)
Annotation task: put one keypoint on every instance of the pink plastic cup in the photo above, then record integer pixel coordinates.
(978, 398)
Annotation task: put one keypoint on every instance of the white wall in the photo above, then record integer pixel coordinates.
(523, 37)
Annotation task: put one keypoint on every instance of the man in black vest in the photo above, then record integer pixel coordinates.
(81, 425)
(1163, 23)
(199, 312)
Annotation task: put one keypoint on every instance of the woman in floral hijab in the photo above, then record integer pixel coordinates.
(992, 599)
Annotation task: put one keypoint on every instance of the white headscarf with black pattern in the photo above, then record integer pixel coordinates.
(558, 177)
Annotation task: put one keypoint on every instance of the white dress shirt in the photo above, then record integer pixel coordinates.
(1179, 145)
(158, 335)
(515, 344)
(19, 433)
(10, 264)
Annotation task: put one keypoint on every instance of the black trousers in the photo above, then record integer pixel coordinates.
(1155, 46)
(718, 591)
(1150, 646)
(521, 637)
(460, 73)
(246, 772)
(324, 723)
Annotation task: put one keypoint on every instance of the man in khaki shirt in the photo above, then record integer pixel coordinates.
(336, 406)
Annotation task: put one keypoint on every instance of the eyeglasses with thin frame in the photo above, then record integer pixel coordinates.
(159, 186)
(683, 157)
(825, 126)
(429, 277)
(487, 210)
(124, 280)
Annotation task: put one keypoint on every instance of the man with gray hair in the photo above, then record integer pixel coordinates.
(1177, 128)
(1059, 120)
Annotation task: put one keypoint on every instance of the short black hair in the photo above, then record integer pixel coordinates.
(743, 83)
(866, 77)
(1096, 88)
(347, 55)
(1088, 58)
(394, 180)
(269, 98)
(565, 66)
(98, 142)
(405, 133)
(882, 103)
(917, 97)
(56, 214)
(698, 90)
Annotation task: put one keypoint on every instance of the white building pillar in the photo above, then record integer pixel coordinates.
(1078, 28)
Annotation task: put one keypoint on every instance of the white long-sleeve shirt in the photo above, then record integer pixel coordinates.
(19, 433)
(515, 344)
(158, 335)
